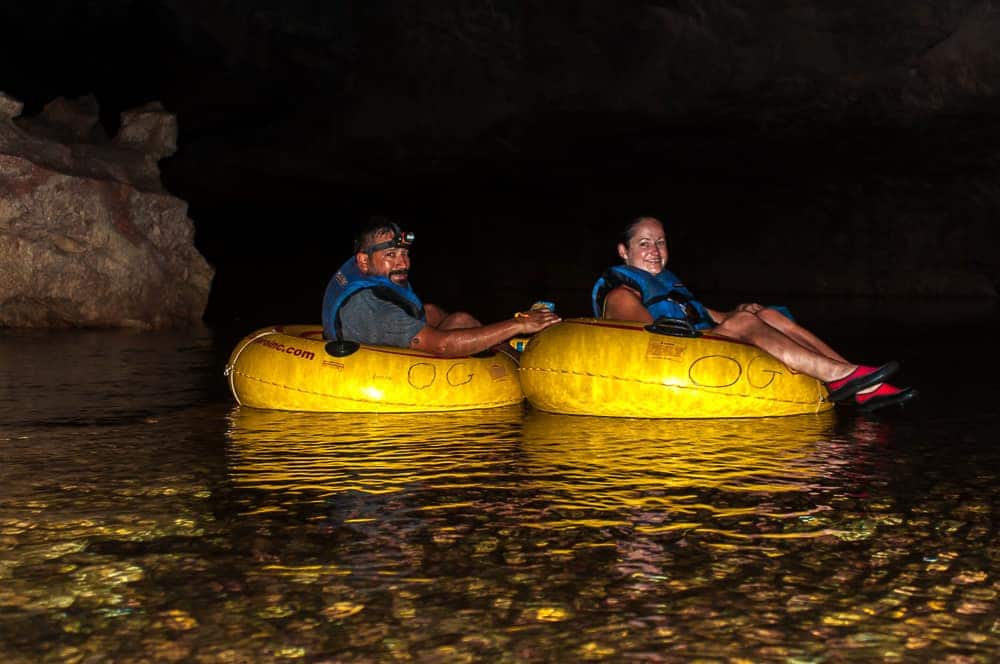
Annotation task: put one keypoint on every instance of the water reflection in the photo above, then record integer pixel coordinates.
(317, 455)
(589, 464)
(714, 483)
(674, 475)
(762, 455)
(537, 536)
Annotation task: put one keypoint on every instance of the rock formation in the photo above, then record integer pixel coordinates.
(88, 236)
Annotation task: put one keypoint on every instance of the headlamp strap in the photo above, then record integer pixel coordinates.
(399, 239)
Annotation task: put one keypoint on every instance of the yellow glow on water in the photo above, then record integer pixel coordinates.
(446, 506)
(666, 528)
(650, 472)
(590, 472)
(375, 454)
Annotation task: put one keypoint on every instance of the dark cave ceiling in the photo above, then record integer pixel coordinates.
(363, 92)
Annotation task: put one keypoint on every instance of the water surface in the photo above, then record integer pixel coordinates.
(145, 517)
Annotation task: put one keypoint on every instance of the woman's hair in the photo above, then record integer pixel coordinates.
(629, 231)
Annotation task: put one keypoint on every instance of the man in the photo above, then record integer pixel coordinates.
(369, 300)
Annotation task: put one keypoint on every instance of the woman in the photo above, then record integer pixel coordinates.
(643, 289)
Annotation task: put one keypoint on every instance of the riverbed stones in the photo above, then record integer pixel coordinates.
(88, 235)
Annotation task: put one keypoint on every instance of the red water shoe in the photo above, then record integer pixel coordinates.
(885, 395)
(859, 379)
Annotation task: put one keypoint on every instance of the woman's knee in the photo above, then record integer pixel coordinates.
(773, 317)
(781, 322)
(739, 324)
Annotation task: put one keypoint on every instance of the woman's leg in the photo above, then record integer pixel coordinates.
(800, 357)
(799, 334)
(805, 338)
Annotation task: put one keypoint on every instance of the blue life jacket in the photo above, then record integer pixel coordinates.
(348, 281)
(663, 295)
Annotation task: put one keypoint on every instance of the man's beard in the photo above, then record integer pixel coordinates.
(397, 273)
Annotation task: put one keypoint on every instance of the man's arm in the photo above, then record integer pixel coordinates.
(468, 341)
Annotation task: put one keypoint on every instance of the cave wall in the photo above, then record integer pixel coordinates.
(837, 149)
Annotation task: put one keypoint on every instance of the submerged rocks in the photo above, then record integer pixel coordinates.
(88, 236)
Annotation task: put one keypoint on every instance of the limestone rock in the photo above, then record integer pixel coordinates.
(149, 128)
(68, 121)
(9, 107)
(87, 235)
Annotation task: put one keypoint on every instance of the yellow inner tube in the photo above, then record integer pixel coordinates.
(289, 368)
(587, 366)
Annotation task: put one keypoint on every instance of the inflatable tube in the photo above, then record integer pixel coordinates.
(293, 368)
(587, 366)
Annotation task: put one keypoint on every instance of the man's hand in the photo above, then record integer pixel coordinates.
(533, 321)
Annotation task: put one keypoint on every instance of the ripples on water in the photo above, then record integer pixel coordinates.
(143, 517)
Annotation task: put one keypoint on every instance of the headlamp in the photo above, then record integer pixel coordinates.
(400, 238)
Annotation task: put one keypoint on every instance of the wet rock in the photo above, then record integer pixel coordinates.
(88, 236)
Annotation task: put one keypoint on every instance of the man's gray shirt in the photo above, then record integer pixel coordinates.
(368, 319)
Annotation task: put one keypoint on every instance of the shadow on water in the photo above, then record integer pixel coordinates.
(104, 377)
